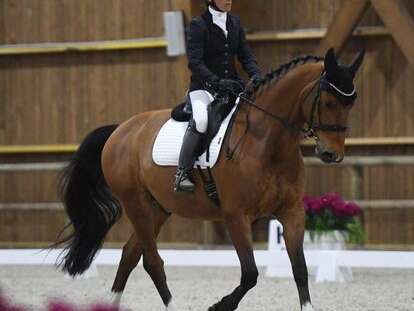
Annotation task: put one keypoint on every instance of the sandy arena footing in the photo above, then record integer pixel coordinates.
(198, 288)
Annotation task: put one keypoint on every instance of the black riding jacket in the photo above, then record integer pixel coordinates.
(211, 56)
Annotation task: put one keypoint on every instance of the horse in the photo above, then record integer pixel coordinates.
(113, 170)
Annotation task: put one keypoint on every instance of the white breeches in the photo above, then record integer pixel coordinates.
(200, 99)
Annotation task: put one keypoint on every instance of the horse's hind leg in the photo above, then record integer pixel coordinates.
(139, 210)
(131, 255)
(293, 222)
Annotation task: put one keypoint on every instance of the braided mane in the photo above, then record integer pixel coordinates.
(285, 68)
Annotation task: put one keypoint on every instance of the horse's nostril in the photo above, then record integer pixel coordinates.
(328, 156)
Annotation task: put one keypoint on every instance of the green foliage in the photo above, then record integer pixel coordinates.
(355, 233)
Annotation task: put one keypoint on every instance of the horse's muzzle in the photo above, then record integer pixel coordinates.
(327, 156)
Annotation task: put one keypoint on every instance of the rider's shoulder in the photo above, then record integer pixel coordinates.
(234, 18)
(198, 21)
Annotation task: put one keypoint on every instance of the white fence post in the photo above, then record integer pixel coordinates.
(325, 268)
(328, 269)
(276, 246)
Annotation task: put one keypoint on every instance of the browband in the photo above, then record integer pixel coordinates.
(328, 86)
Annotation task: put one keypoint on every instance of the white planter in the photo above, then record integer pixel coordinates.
(327, 269)
(330, 240)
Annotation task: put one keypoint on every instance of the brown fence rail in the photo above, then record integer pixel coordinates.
(160, 42)
(395, 215)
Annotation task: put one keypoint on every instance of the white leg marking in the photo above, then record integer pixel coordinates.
(171, 306)
(116, 299)
(307, 307)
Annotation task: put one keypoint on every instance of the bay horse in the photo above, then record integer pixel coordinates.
(113, 170)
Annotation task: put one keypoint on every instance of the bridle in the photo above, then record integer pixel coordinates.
(324, 84)
(309, 132)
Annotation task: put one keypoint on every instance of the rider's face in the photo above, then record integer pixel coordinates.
(223, 5)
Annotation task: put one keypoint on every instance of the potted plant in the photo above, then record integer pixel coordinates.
(330, 221)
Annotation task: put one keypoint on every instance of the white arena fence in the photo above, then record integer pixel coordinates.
(224, 258)
(327, 265)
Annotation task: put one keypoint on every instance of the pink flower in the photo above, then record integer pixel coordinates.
(5, 306)
(312, 205)
(332, 201)
(58, 306)
(353, 209)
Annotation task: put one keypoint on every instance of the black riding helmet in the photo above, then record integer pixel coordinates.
(213, 4)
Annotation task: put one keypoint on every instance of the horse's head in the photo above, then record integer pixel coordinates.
(329, 111)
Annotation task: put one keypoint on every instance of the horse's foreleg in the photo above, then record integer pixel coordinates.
(131, 255)
(240, 231)
(293, 230)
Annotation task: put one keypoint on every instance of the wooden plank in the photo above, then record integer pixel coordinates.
(312, 33)
(401, 25)
(383, 223)
(2, 22)
(2, 74)
(55, 21)
(385, 204)
(69, 148)
(365, 161)
(343, 25)
(189, 8)
(179, 76)
(32, 167)
(160, 42)
(56, 206)
(371, 141)
(197, 7)
(24, 149)
(3, 91)
(91, 46)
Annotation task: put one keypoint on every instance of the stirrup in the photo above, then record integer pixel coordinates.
(183, 181)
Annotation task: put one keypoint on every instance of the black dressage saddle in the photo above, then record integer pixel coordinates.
(217, 111)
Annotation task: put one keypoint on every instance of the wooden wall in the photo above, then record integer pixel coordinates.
(58, 98)
(86, 20)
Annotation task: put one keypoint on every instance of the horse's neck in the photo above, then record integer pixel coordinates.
(269, 139)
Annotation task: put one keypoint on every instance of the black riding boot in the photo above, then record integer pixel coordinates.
(186, 161)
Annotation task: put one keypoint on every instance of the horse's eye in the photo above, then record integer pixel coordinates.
(331, 104)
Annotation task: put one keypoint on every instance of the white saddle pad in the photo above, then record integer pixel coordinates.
(167, 145)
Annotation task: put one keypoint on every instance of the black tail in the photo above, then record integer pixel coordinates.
(91, 208)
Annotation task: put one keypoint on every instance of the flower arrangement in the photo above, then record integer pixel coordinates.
(330, 212)
(5, 305)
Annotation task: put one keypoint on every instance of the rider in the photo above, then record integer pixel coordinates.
(214, 39)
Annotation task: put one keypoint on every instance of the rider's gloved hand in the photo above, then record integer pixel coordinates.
(226, 85)
(257, 80)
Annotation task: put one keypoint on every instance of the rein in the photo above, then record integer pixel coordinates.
(310, 130)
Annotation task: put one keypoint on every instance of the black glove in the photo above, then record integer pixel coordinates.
(257, 80)
(226, 85)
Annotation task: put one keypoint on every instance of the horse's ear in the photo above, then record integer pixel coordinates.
(357, 63)
(331, 64)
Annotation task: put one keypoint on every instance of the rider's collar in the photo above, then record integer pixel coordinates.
(219, 18)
